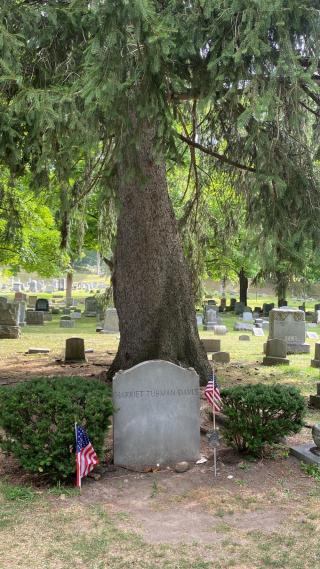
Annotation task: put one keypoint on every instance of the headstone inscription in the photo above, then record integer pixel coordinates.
(289, 324)
(42, 304)
(156, 415)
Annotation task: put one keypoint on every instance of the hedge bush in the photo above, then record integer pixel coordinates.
(261, 414)
(38, 418)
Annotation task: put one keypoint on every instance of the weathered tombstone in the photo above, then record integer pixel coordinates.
(199, 320)
(282, 302)
(257, 331)
(314, 400)
(19, 296)
(247, 316)
(47, 317)
(75, 350)
(32, 300)
(289, 325)
(221, 357)
(211, 345)
(17, 287)
(75, 315)
(66, 321)
(316, 361)
(3, 300)
(42, 304)
(223, 304)
(111, 321)
(9, 328)
(267, 307)
(91, 306)
(312, 335)
(156, 415)
(38, 351)
(220, 330)
(33, 286)
(257, 309)
(309, 452)
(21, 313)
(212, 302)
(34, 318)
(239, 308)
(232, 303)
(61, 284)
(276, 352)
(244, 338)
(239, 326)
(210, 319)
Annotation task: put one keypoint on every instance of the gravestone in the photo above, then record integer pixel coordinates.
(316, 361)
(232, 303)
(267, 307)
(282, 303)
(220, 330)
(289, 324)
(9, 328)
(247, 316)
(223, 304)
(221, 357)
(91, 306)
(38, 351)
(246, 327)
(210, 319)
(211, 345)
(21, 313)
(257, 331)
(111, 321)
(66, 322)
(239, 308)
(75, 350)
(309, 452)
(42, 304)
(47, 316)
(314, 400)
(156, 415)
(312, 335)
(19, 296)
(244, 338)
(3, 300)
(32, 300)
(276, 352)
(76, 315)
(33, 286)
(61, 284)
(34, 318)
(199, 320)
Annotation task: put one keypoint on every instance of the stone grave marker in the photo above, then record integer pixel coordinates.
(257, 331)
(309, 452)
(19, 296)
(244, 338)
(21, 313)
(239, 308)
(75, 315)
(34, 318)
(38, 351)
(111, 321)
(211, 345)
(91, 306)
(156, 415)
(3, 300)
(276, 352)
(42, 304)
(221, 357)
(66, 322)
(243, 326)
(314, 400)
(9, 328)
(316, 361)
(312, 335)
(32, 300)
(289, 324)
(220, 330)
(267, 307)
(247, 316)
(75, 350)
(210, 319)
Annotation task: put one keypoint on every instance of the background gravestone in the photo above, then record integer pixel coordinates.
(75, 350)
(34, 318)
(156, 415)
(9, 328)
(289, 324)
(111, 320)
(91, 306)
(42, 304)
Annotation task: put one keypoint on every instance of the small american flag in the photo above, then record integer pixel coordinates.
(86, 458)
(212, 393)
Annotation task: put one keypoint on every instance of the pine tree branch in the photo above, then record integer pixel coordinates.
(220, 157)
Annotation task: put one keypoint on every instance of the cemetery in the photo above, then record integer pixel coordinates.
(159, 284)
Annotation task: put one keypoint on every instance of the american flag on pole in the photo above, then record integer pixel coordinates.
(212, 393)
(86, 458)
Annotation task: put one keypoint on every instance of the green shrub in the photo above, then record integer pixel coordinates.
(261, 414)
(38, 420)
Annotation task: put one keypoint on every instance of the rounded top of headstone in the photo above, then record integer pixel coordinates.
(151, 368)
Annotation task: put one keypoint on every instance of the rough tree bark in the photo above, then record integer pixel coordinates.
(243, 283)
(151, 283)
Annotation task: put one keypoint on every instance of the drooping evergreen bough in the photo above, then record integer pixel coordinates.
(104, 84)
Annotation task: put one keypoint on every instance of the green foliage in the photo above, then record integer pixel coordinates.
(311, 470)
(261, 414)
(38, 421)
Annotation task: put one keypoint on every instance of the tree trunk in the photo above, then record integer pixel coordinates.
(243, 282)
(151, 282)
(69, 289)
(282, 283)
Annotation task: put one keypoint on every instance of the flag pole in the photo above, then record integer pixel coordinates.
(214, 424)
(78, 484)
